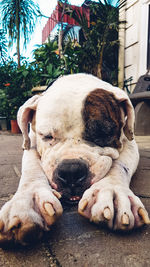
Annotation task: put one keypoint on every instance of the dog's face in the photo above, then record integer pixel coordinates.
(78, 133)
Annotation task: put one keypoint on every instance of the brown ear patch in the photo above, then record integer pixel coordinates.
(102, 119)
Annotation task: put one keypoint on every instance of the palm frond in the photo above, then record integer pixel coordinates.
(25, 14)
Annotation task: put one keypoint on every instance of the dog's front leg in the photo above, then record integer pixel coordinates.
(110, 200)
(33, 208)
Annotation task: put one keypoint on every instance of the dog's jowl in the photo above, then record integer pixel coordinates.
(80, 149)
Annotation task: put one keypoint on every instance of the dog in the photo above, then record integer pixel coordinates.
(80, 148)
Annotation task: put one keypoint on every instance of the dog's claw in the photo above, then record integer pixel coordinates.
(107, 214)
(125, 220)
(56, 194)
(49, 209)
(1, 225)
(144, 215)
(83, 204)
(14, 223)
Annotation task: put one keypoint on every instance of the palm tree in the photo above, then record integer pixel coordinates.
(100, 41)
(3, 46)
(106, 28)
(19, 17)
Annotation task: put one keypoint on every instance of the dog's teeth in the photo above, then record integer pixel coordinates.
(74, 198)
(1, 225)
(107, 214)
(49, 209)
(83, 204)
(125, 219)
(144, 215)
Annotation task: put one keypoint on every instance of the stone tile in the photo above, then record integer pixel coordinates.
(9, 178)
(27, 257)
(140, 183)
(76, 242)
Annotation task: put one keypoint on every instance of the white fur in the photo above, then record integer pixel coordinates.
(58, 113)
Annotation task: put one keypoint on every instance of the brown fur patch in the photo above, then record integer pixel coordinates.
(102, 119)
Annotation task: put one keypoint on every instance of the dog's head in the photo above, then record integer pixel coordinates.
(79, 125)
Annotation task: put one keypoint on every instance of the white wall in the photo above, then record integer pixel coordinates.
(135, 40)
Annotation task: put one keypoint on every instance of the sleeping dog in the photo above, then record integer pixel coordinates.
(80, 148)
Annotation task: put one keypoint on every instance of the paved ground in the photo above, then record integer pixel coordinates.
(73, 241)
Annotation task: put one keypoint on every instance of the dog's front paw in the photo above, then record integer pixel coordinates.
(116, 206)
(27, 214)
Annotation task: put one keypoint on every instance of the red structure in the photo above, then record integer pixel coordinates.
(56, 18)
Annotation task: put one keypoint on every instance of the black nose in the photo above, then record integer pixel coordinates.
(72, 172)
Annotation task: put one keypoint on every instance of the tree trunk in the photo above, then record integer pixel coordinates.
(99, 71)
(100, 64)
(60, 37)
(18, 48)
(18, 33)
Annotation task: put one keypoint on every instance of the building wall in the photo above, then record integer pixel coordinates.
(133, 41)
(56, 18)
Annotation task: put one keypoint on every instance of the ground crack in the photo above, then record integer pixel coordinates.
(143, 196)
(53, 261)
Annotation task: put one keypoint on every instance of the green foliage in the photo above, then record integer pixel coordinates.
(15, 87)
(52, 73)
(71, 55)
(99, 46)
(48, 65)
(46, 56)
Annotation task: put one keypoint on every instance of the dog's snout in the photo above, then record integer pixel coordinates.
(72, 171)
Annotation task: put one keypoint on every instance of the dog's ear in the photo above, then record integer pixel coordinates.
(130, 119)
(129, 113)
(24, 116)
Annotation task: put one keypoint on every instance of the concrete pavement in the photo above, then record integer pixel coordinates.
(73, 241)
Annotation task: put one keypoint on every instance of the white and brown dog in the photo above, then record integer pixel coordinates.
(80, 147)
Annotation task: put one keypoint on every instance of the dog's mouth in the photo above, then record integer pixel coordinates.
(73, 200)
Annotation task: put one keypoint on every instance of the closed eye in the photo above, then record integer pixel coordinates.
(48, 137)
(45, 138)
